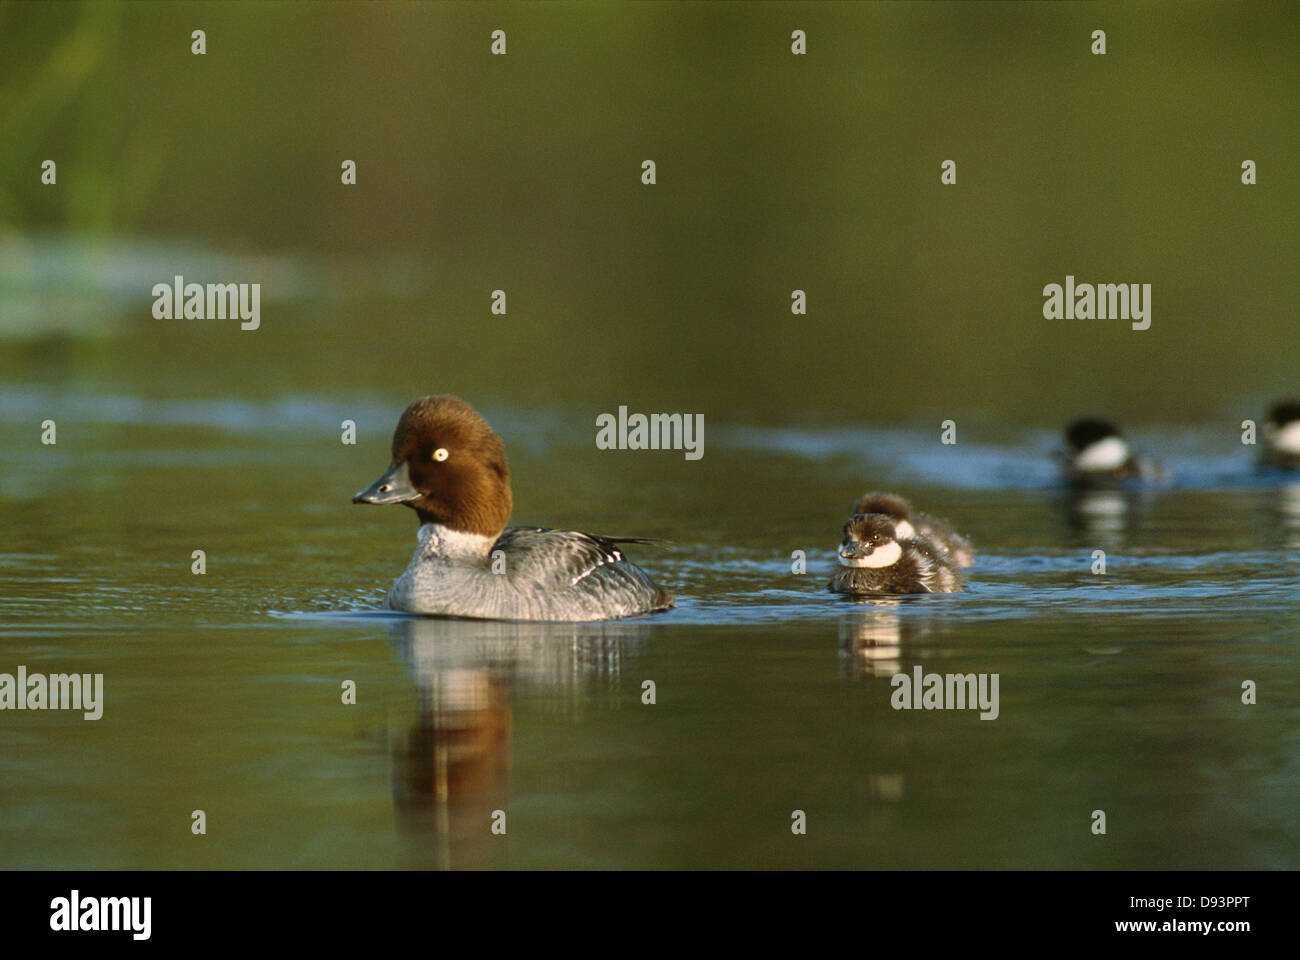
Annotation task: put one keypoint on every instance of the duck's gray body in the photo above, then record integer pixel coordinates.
(527, 573)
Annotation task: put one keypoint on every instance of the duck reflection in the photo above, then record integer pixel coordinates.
(1102, 516)
(451, 769)
(874, 638)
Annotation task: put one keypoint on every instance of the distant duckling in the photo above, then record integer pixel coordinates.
(1282, 436)
(1098, 453)
(909, 525)
(873, 559)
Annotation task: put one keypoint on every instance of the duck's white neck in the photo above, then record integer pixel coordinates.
(439, 541)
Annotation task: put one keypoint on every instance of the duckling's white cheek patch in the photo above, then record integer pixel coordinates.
(1108, 454)
(1288, 438)
(905, 530)
(885, 556)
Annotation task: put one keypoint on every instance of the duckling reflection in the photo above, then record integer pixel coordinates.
(451, 770)
(872, 637)
(1101, 516)
(1284, 514)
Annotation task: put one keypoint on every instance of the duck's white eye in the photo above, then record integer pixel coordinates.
(440, 454)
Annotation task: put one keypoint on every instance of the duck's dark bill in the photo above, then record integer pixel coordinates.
(393, 487)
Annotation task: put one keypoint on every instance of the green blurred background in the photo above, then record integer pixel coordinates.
(775, 172)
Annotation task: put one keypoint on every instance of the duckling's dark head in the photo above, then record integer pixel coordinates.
(449, 466)
(869, 541)
(1282, 432)
(1086, 431)
(1284, 412)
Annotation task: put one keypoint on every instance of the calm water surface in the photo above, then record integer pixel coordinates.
(1118, 692)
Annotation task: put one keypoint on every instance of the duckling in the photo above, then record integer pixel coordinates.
(874, 559)
(1098, 453)
(909, 525)
(1282, 436)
